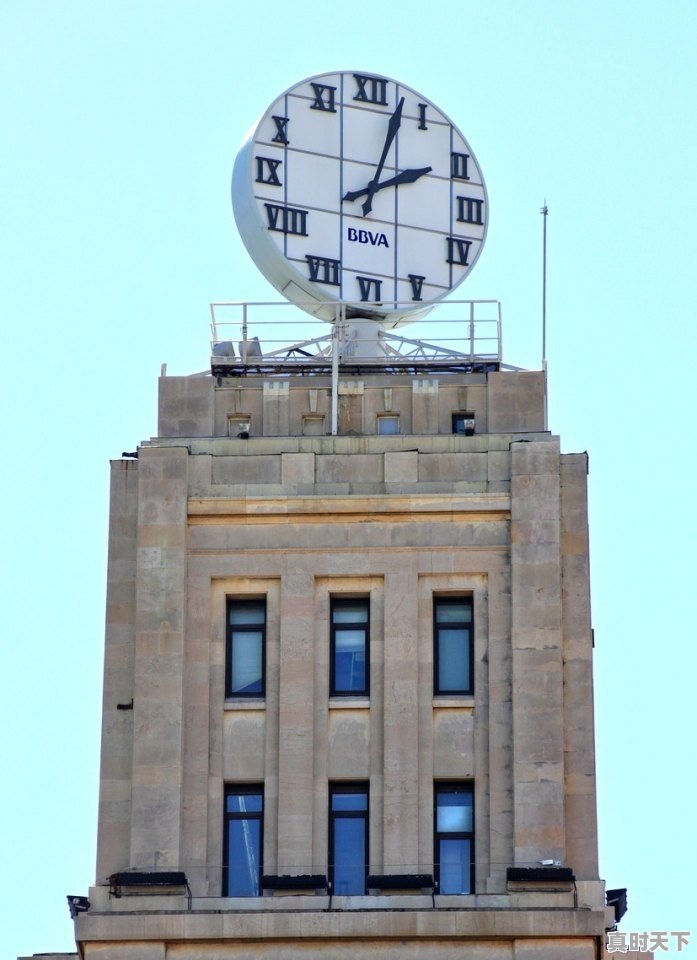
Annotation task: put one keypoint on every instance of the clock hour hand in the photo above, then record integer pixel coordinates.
(406, 176)
(392, 128)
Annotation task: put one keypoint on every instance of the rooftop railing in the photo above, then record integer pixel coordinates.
(276, 338)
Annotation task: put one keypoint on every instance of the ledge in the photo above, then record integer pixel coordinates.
(353, 918)
(232, 703)
(349, 703)
(260, 509)
(465, 702)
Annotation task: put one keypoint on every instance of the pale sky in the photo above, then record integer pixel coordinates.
(119, 124)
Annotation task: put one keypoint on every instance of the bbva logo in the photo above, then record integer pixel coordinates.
(367, 236)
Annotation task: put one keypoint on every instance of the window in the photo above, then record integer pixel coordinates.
(463, 423)
(350, 646)
(454, 838)
(452, 641)
(246, 648)
(388, 423)
(239, 426)
(243, 842)
(348, 838)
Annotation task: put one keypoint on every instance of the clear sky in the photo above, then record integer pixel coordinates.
(119, 123)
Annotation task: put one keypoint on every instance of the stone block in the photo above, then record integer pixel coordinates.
(246, 470)
(498, 465)
(350, 468)
(297, 468)
(276, 408)
(185, 407)
(516, 401)
(401, 468)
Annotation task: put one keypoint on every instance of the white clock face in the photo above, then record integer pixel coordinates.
(355, 188)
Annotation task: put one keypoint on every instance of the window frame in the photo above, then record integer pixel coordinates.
(383, 419)
(238, 423)
(357, 602)
(444, 601)
(249, 790)
(316, 419)
(229, 645)
(461, 417)
(453, 786)
(361, 788)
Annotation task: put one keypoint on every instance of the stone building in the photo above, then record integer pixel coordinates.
(348, 699)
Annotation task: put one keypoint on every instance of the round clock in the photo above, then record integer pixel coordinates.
(353, 187)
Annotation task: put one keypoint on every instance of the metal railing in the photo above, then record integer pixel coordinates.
(464, 337)
(275, 336)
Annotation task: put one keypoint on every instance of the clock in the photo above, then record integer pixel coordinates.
(354, 188)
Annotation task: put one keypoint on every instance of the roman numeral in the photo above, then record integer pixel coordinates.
(458, 166)
(417, 283)
(323, 270)
(286, 219)
(281, 130)
(458, 251)
(324, 97)
(371, 89)
(266, 171)
(367, 284)
(422, 116)
(469, 210)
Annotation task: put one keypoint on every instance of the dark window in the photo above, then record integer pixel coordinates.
(244, 833)
(348, 838)
(350, 647)
(463, 423)
(452, 643)
(246, 648)
(454, 838)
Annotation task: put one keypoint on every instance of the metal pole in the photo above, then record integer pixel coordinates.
(544, 211)
(471, 330)
(335, 370)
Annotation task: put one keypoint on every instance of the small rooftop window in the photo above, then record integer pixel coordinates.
(388, 423)
(463, 424)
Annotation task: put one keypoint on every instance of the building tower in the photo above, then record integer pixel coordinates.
(348, 700)
(348, 694)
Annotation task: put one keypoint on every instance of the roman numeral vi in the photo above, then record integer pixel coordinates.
(367, 284)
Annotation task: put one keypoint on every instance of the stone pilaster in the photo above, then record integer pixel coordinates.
(159, 654)
(579, 743)
(113, 839)
(401, 740)
(538, 731)
(296, 722)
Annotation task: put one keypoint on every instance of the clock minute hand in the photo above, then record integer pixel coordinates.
(392, 128)
(406, 176)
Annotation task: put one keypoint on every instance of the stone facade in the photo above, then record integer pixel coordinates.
(299, 517)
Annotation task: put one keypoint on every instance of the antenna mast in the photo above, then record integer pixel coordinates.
(544, 211)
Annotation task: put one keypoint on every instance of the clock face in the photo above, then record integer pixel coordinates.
(352, 187)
